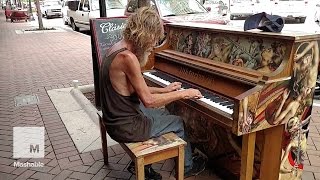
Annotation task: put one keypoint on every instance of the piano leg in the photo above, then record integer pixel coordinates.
(271, 155)
(247, 156)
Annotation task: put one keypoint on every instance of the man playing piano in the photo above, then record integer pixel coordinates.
(128, 103)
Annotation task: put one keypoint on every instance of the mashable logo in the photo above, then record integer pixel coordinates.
(28, 142)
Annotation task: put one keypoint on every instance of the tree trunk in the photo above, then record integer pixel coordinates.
(30, 8)
(39, 15)
(143, 3)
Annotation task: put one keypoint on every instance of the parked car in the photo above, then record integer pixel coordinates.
(88, 9)
(180, 11)
(290, 9)
(241, 9)
(68, 4)
(51, 8)
(216, 6)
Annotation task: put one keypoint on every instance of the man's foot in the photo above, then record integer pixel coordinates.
(149, 172)
(199, 165)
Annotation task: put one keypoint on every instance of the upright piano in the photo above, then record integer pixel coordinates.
(258, 90)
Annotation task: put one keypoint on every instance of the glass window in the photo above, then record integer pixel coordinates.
(52, 3)
(174, 7)
(132, 6)
(86, 4)
(110, 4)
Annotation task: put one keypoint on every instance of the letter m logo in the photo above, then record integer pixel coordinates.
(28, 142)
(34, 148)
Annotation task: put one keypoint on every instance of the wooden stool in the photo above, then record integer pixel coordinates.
(154, 150)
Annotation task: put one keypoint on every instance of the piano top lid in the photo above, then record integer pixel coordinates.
(289, 35)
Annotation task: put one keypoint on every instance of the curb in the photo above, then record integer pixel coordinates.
(77, 93)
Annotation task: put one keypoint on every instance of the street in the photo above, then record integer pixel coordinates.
(308, 26)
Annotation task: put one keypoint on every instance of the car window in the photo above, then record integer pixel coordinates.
(174, 7)
(73, 5)
(52, 3)
(132, 6)
(81, 4)
(86, 4)
(110, 4)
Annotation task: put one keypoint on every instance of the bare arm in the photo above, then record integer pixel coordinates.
(171, 87)
(285, 95)
(131, 68)
(315, 61)
(156, 90)
(284, 159)
(298, 56)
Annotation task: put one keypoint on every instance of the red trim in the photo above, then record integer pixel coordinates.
(291, 161)
(274, 90)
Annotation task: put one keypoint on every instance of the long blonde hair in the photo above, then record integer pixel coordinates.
(144, 28)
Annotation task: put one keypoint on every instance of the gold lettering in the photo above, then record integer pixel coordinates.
(198, 75)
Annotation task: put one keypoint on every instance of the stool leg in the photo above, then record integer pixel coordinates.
(103, 132)
(139, 168)
(180, 164)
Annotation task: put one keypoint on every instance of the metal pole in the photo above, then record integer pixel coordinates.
(102, 7)
(30, 8)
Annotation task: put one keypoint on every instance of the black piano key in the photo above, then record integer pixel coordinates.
(226, 103)
(213, 97)
(230, 106)
(186, 86)
(217, 99)
(207, 94)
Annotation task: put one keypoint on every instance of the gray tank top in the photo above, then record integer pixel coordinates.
(124, 120)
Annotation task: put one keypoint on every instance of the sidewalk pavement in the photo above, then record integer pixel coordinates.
(34, 63)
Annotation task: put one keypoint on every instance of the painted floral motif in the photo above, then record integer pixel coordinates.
(259, 54)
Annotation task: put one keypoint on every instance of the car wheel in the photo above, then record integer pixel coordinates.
(65, 22)
(231, 17)
(74, 27)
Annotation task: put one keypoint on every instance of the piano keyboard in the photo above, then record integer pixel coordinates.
(208, 97)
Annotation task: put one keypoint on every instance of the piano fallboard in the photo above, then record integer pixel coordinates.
(204, 76)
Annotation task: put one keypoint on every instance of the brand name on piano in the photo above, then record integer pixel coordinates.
(196, 75)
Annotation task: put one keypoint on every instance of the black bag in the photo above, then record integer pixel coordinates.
(264, 22)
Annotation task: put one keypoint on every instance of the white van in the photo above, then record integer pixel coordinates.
(51, 8)
(88, 9)
(68, 4)
(290, 10)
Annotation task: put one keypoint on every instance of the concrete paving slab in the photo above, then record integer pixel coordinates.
(27, 31)
(316, 103)
(76, 116)
(81, 129)
(63, 100)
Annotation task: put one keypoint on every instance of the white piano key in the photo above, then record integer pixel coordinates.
(156, 78)
(205, 100)
(216, 105)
